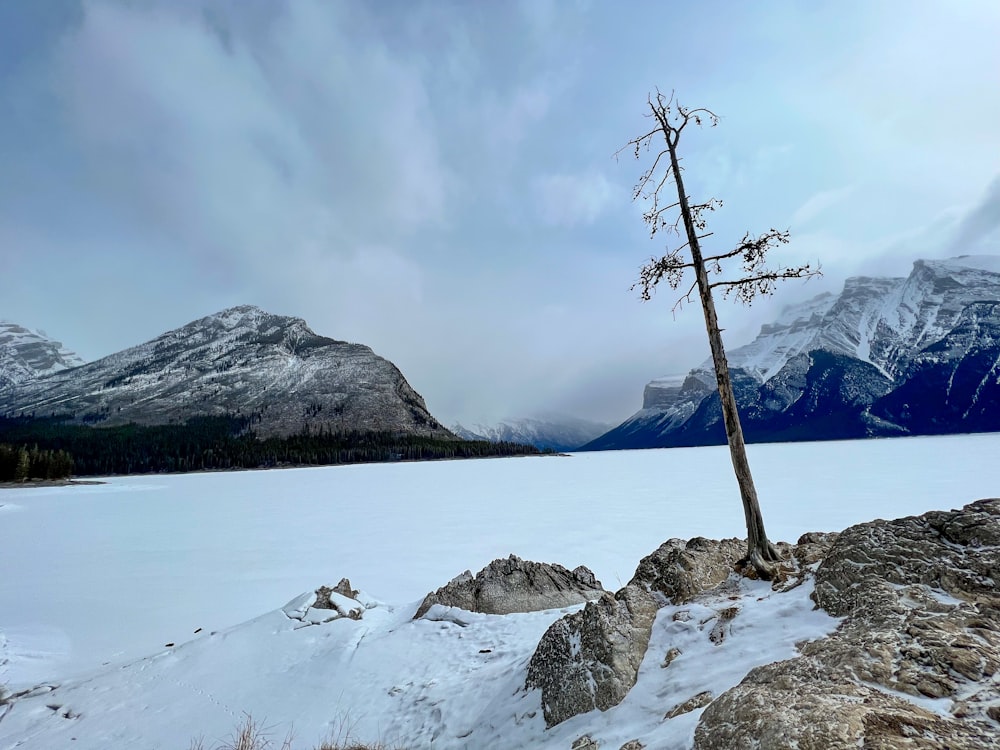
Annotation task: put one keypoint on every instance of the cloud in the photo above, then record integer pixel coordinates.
(235, 143)
(508, 118)
(819, 204)
(979, 229)
(434, 179)
(569, 200)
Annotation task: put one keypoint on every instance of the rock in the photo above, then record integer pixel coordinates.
(922, 622)
(813, 547)
(693, 703)
(326, 604)
(515, 585)
(722, 625)
(793, 704)
(343, 605)
(586, 742)
(632, 745)
(668, 658)
(590, 659)
(953, 551)
(678, 571)
(344, 589)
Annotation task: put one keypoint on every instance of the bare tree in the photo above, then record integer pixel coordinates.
(687, 221)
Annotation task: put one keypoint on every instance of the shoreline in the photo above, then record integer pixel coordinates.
(49, 483)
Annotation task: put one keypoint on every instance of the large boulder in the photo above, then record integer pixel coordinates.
(590, 659)
(914, 664)
(679, 570)
(515, 585)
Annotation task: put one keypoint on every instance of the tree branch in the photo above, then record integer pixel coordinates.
(683, 298)
(763, 284)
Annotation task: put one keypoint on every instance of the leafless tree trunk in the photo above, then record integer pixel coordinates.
(671, 118)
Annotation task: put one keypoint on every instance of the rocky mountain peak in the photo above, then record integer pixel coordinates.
(885, 356)
(272, 370)
(27, 354)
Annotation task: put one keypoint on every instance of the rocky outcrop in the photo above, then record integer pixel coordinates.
(515, 585)
(916, 660)
(590, 659)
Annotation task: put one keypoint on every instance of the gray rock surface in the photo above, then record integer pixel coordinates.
(513, 585)
(590, 659)
(679, 570)
(693, 703)
(915, 664)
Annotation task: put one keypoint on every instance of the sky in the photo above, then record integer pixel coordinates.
(438, 179)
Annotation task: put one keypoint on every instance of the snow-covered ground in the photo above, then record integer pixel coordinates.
(95, 580)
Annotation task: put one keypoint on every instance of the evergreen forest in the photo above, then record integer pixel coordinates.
(211, 443)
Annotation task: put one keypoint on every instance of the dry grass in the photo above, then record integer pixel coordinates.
(251, 734)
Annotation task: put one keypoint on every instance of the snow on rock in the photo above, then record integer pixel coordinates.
(270, 369)
(27, 354)
(515, 585)
(917, 656)
(591, 659)
(326, 604)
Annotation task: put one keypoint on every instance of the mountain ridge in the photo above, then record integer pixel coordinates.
(557, 432)
(271, 369)
(849, 365)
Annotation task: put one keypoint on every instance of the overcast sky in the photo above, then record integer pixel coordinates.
(436, 179)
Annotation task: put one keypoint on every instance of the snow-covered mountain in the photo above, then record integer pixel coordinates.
(913, 355)
(26, 354)
(241, 361)
(549, 432)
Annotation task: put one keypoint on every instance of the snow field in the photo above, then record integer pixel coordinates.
(452, 680)
(96, 578)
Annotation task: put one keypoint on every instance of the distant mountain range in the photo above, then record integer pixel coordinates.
(918, 355)
(26, 355)
(270, 369)
(550, 432)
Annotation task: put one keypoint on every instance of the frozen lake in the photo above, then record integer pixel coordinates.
(99, 574)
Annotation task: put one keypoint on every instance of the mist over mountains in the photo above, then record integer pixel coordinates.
(912, 355)
(557, 432)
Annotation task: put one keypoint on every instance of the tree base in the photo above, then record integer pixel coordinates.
(761, 562)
